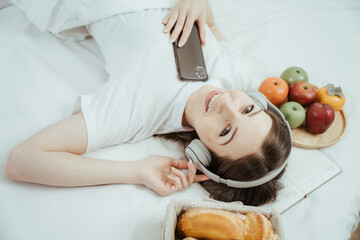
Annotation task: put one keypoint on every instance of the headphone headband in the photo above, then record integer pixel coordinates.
(201, 157)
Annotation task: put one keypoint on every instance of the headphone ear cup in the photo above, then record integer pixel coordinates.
(197, 151)
(259, 99)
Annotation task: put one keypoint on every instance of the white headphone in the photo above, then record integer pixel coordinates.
(201, 157)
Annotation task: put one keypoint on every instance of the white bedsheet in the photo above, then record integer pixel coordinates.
(41, 76)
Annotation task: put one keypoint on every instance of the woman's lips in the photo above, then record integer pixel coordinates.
(209, 97)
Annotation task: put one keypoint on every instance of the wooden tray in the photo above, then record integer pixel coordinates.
(304, 139)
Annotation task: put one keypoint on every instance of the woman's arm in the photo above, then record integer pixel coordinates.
(53, 157)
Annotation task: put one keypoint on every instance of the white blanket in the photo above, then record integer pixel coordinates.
(41, 76)
(66, 18)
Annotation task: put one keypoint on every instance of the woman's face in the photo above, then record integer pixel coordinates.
(227, 121)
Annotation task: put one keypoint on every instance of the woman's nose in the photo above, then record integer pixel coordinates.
(229, 106)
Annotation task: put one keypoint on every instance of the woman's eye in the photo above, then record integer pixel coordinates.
(225, 131)
(248, 109)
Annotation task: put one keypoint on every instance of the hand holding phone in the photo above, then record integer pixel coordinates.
(182, 17)
(189, 58)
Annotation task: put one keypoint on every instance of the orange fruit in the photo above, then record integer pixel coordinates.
(275, 90)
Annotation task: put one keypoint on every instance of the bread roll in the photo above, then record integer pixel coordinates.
(259, 227)
(215, 224)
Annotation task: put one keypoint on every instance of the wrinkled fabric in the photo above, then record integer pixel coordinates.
(67, 18)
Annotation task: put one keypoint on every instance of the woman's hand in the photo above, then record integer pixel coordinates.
(184, 14)
(164, 175)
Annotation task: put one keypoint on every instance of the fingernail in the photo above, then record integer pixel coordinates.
(180, 44)
(171, 40)
(165, 31)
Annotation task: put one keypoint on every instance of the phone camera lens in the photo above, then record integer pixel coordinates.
(200, 72)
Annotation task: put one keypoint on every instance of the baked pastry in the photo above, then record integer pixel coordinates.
(216, 224)
(259, 227)
(211, 224)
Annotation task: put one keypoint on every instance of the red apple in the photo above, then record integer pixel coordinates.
(319, 117)
(303, 93)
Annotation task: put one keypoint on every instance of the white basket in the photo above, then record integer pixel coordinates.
(177, 206)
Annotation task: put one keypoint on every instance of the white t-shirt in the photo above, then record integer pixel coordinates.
(144, 96)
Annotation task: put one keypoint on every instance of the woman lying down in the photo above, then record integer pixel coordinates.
(144, 97)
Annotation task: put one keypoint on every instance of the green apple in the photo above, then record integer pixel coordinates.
(294, 74)
(294, 113)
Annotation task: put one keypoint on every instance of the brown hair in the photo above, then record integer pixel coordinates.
(274, 151)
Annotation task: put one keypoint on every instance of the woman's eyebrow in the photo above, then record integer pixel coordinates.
(231, 137)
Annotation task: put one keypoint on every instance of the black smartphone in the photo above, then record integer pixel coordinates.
(189, 58)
